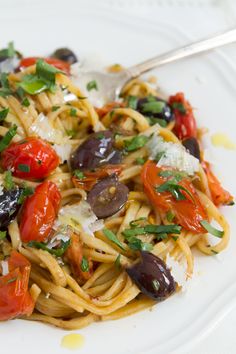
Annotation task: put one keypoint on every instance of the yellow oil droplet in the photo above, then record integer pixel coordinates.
(220, 139)
(72, 341)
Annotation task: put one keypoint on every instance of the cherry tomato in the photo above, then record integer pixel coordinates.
(185, 123)
(74, 256)
(15, 299)
(31, 158)
(59, 64)
(39, 212)
(188, 212)
(219, 195)
(89, 179)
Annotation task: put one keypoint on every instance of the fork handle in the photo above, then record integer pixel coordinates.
(184, 52)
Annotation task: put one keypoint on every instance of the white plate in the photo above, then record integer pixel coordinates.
(210, 84)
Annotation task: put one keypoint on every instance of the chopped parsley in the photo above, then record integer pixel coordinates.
(11, 280)
(43, 79)
(58, 252)
(170, 216)
(8, 52)
(23, 167)
(84, 265)
(112, 237)
(3, 235)
(73, 112)
(25, 102)
(132, 102)
(26, 192)
(117, 261)
(55, 108)
(136, 143)
(92, 85)
(79, 174)
(3, 114)
(140, 160)
(8, 137)
(71, 133)
(212, 230)
(8, 181)
(179, 106)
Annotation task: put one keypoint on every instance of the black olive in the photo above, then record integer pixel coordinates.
(152, 277)
(192, 146)
(107, 197)
(96, 151)
(9, 206)
(147, 107)
(65, 54)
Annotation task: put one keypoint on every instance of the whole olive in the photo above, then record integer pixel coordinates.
(155, 107)
(9, 206)
(65, 54)
(152, 277)
(192, 146)
(107, 197)
(96, 151)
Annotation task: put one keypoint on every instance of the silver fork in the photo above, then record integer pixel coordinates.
(109, 86)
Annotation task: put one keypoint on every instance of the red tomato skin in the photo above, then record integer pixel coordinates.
(15, 299)
(36, 153)
(59, 64)
(187, 213)
(185, 123)
(39, 212)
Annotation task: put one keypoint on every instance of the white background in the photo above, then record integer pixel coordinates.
(198, 18)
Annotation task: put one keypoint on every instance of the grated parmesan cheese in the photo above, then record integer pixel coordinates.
(44, 129)
(174, 155)
(80, 216)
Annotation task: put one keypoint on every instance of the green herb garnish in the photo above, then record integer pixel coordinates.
(112, 237)
(92, 85)
(3, 235)
(117, 262)
(136, 143)
(8, 181)
(212, 230)
(73, 112)
(170, 216)
(140, 160)
(58, 252)
(25, 102)
(84, 265)
(55, 108)
(79, 174)
(8, 137)
(23, 167)
(26, 192)
(3, 114)
(11, 280)
(180, 107)
(8, 52)
(132, 102)
(153, 107)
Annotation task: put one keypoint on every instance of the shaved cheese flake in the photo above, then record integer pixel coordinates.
(5, 268)
(174, 155)
(44, 129)
(80, 217)
(63, 151)
(178, 271)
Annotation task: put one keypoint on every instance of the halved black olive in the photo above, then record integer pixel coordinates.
(96, 151)
(192, 146)
(155, 107)
(107, 197)
(9, 206)
(152, 277)
(65, 54)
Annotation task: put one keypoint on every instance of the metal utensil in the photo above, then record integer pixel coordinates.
(109, 86)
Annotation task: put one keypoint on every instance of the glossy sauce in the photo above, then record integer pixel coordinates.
(72, 341)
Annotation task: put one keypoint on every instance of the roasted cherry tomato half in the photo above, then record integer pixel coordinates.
(31, 158)
(15, 299)
(74, 256)
(218, 194)
(188, 212)
(185, 123)
(59, 64)
(39, 212)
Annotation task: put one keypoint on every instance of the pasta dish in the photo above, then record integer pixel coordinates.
(98, 205)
